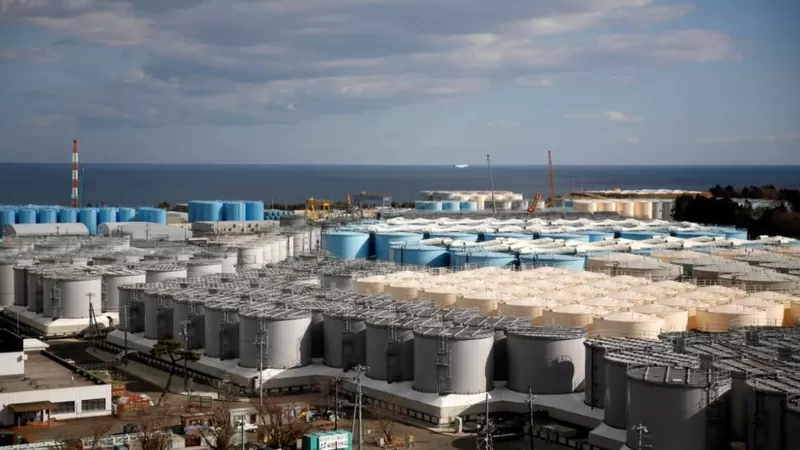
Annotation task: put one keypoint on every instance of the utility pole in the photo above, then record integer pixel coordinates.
(336, 382)
(92, 321)
(359, 369)
(531, 419)
(487, 428)
(642, 433)
(185, 333)
(262, 339)
(491, 184)
(125, 309)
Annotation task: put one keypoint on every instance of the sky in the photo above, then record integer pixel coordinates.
(400, 81)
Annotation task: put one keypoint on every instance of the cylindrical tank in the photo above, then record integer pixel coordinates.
(20, 285)
(683, 408)
(74, 292)
(126, 215)
(462, 259)
(163, 272)
(7, 282)
(198, 268)
(546, 360)
(47, 216)
(128, 294)
(234, 211)
(106, 215)
(337, 280)
(383, 240)
(222, 328)
(88, 217)
(284, 336)
(419, 255)
(568, 262)
(346, 244)
(453, 360)
(254, 210)
(8, 216)
(767, 411)
(188, 320)
(390, 348)
(629, 324)
(345, 339)
(250, 257)
(616, 366)
(68, 215)
(721, 318)
(650, 269)
(112, 280)
(292, 221)
(26, 215)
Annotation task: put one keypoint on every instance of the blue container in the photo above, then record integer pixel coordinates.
(234, 212)
(157, 215)
(493, 236)
(451, 206)
(468, 206)
(106, 215)
(383, 240)
(736, 234)
(640, 235)
(566, 236)
(88, 217)
(126, 215)
(461, 259)
(466, 237)
(346, 244)
(8, 216)
(48, 216)
(68, 215)
(595, 236)
(196, 208)
(213, 211)
(26, 215)
(574, 263)
(253, 210)
(420, 255)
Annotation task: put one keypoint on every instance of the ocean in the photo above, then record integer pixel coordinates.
(128, 184)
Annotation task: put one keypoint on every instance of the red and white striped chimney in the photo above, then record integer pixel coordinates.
(74, 173)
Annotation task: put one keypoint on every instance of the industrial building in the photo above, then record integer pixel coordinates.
(38, 387)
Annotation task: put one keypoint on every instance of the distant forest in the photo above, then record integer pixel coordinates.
(780, 217)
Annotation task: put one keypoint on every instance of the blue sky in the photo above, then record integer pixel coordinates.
(401, 81)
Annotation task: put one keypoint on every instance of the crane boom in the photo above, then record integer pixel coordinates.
(552, 200)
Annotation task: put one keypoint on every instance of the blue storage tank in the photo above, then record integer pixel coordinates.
(468, 206)
(346, 244)
(466, 237)
(158, 215)
(575, 263)
(736, 234)
(253, 210)
(420, 255)
(196, 209)
(695, 234)
(212, 211)
(88, 217)
(566, 236)
(493, 236)
(126, 215)
(450, 205)
(595, 236)
(8, 216)
(234, 211)
(26, 215)
(68, 215)
(48, 216)
(460, 259)
(640, 235)
(106, 215)
(384, 238)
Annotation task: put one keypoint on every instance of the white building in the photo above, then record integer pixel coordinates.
(38, 387)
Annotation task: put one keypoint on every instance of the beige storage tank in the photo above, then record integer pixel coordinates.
(530, 308)
(675, 319)
(584, 206)
(370, 285)
(629, 324)
(585, 291)
(609, 285)
(725, 291)
(561, 297)
(675, 285)
(791, 313)
(774, 311)
(485, 302)
(689, 305)
(654, 291)
(441, 296)
(678, 255)
(637, 298)
(598, 263)
(574, 316)
(403, 290)
(626, 208)
(711, 298)
(631, 280)
(608, 303)
(643, 209)
(721, 318)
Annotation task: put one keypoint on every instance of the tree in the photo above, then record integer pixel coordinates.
(283, 423)
(222, 433)
(387, 419)
(175, 352)
(86, 434)
(163, 205)
(152, 425)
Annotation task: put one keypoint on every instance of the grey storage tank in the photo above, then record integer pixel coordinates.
(682, 408)
(283, 334)
(546, 360)
(75, 294)
(188, 319)
(222, 329)
(646, 268)
(617, 364)
(163, 272)
(113, 278)
(20, 285)
(131, 307)
(345, 338)
(792, 421)
(158, 313)
(595, 351)
(767, 400)
(202, 267)
(317, 309)
(501, 326)
(390, 347)
(337, 279)
(453, 360)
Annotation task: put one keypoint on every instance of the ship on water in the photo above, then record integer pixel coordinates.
(461, 166)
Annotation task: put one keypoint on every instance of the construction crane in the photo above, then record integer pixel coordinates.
(552, 200)
(534, 203)
(316, 209)
(369, 199)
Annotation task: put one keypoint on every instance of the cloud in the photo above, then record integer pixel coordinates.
(737, 140)
(27, 54)
(611, 116)
(633, 140)
(502, 124)
(244, 61)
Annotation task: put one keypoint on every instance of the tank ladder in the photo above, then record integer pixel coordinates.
(39, 296)
(55, 302)
(262, 340)
(162, 317)
(223, 335)
(443, 374)
(348, 352)
(393, 371)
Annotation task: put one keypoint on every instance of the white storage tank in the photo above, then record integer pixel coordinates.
(629, 324)
(250, 257)
(453, 360)
(486, 301)
(74, 293)
(546, 360)
(222, 330)
(675, 319)
(403, 290)
(572, 316)
(390, 347)
(199, 267)
(529, 308)
(283, 334)
(345, 338)
(163, 272)
(115, 277)
(441, 296)
(773, 311)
